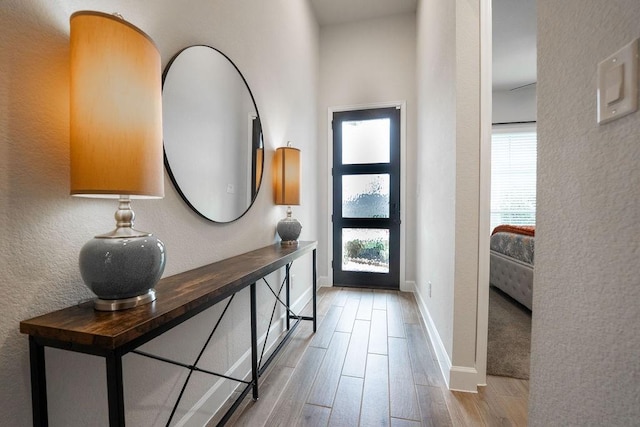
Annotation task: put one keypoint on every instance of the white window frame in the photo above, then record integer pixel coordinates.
(501, 129)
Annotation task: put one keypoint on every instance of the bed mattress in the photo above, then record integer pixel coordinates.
(511, 268)
(516, 246)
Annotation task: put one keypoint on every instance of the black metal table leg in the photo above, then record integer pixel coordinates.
(38, 384)
(115, 389)
(314, 286)
(288, 284)
(254, 341)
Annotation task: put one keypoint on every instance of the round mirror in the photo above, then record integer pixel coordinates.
(212, 135)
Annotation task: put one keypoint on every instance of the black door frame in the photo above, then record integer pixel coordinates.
(391, 280)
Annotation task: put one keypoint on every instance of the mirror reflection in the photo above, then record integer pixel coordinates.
(212, 134)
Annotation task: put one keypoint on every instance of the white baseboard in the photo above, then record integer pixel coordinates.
(408, 286)
(459, 378)
(463, 378)
(324, 281)
(441, 353)
(222, 390)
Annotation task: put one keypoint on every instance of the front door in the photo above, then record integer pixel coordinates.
(366, 198)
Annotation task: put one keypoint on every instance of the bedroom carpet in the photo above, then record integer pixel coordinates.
(509, 344)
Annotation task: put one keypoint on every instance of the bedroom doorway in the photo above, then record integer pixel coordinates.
(366, 198)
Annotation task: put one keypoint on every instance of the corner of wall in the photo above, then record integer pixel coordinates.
(408, 286)
(324, 282)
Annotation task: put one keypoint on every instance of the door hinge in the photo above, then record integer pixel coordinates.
(332, 218)
(331, 263)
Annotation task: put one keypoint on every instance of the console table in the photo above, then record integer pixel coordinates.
(111, 335)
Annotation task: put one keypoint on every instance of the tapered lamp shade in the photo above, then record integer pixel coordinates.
(286, 176)
(116, 109)
(286, 190)
(116, 151)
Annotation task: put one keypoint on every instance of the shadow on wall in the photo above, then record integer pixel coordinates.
(37, 274)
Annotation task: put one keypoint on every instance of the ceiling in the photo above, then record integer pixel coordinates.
(514, 32)
(514, 43)
(330, 12)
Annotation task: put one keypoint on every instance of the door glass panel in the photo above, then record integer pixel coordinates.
(365, 196)
(366, 141)
(365, 250)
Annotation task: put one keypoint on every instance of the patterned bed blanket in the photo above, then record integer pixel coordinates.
(514, 241)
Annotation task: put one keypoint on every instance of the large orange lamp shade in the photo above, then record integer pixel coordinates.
(116, 151)
(286, 190)
(116, 109)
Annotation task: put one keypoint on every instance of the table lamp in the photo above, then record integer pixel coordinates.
(116, 151)
(286, 190)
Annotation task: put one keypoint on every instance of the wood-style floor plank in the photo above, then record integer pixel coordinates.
(356, 358)
(395, 324)
(326, 383)
(516, 409)
(314, 416)
(288, 408)
(256, 412)
(341, 296)
(323, 335)
(462, 408)
(425, 369)
(346, 407)
(491, 409)
(379, 300)
(433, 409)
(366, 305)
(375, 397)
(378, 332)
(403, 402)
(345, 324)
(397, 422)
(504, 386)
(325, 301)
(297, 345)
(409, 307)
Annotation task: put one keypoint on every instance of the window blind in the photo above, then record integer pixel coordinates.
(513, 176)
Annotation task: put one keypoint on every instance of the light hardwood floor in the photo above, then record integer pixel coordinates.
(371, 364)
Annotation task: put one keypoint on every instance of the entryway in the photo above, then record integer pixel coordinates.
(366, 198)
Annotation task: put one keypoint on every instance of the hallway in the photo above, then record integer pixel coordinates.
(370, 364)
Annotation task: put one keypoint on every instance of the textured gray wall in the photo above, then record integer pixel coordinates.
(586, 309)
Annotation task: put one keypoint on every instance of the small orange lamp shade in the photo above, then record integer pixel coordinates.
(258, 166)
(286, 176)
(116, 109)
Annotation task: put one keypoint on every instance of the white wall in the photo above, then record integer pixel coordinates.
(514, 105)
(586, 301)
(275, 44)
(367, 62)
(448, 71)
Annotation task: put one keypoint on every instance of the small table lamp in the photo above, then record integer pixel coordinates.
(286, 190)
(116, 151)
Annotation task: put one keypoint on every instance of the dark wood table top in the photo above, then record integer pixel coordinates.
(178, 297)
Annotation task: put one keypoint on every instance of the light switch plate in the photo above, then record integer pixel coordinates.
(618, 84)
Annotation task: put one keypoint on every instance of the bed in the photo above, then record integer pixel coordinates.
(511, 261)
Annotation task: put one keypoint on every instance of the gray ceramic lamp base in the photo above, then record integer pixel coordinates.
(122, 271)
(289, 230)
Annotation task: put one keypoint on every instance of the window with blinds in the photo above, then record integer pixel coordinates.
(513, 175)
